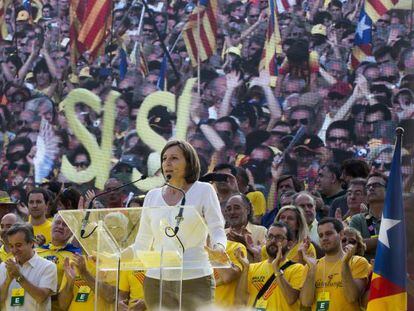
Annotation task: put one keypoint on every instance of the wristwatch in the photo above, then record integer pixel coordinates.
(279, 273)
(20, 278)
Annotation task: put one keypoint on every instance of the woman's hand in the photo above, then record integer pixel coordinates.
(218, 254)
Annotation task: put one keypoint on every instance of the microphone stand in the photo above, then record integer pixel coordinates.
(179, 218)
(85, 220)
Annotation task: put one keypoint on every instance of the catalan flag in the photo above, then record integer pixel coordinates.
(273, 43)
(96, 26)
(388, 290)
(143, 65)
(362, 50)
(376, 8)
(77, 10)
(200, 32)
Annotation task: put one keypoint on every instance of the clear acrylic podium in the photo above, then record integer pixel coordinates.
(111, 242)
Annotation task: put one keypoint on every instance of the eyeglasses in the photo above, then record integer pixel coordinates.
(277, 238)
(293, 122)
(349, 241)
(375, 185)
(254, 16)
(377, 164)
(339, 139)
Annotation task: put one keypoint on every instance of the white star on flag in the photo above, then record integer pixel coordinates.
(386, 224)
(362, 26)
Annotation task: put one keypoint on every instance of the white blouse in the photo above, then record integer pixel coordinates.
(203, 198)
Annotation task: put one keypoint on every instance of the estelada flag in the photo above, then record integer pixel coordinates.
(388, 291)
(362, 50)
(273, 43)
(376, 8)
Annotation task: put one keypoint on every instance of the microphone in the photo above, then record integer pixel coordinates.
(86, 218)
(179, 218)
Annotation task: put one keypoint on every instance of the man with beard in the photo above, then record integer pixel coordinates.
(338, 279)
(274, 283)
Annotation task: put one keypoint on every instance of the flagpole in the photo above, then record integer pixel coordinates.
(164, 48)
(198, 52)
(411, 16)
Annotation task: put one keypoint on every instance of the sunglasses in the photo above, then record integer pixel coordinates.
(335, 139)
(254, 16)
(81, 164)
(377, 164)
(293, 122)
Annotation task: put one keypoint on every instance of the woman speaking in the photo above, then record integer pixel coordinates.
(181, 168)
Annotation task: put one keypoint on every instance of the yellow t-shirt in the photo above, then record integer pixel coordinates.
(4, 255)
(132, 282)
(57, 255)
(226, 293)
(45, 229)
(83, 303)
(258, 201)
(333, 282)
(293, 252)
(273, 298)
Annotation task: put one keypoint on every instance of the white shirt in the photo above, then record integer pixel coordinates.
(38, 271)
(203, 198)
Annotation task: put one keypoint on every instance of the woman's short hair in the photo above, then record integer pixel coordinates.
(192, 168)
(303, 230)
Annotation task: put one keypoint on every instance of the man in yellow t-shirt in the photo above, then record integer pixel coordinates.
(38, 201)
(131, 286)
(226, 279)
(77, 291)
(336, 281)
(59, 249)
(272, 284)
(6, 222)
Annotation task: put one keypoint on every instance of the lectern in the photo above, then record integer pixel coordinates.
(114, 241)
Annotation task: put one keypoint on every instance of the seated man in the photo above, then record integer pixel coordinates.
(27, 281)
(274, 283)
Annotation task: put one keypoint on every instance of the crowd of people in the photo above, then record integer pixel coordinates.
(299, 162)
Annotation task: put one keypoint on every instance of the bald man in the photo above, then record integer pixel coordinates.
(6, 222)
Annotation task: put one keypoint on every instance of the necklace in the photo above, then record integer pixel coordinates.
(329, 272)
